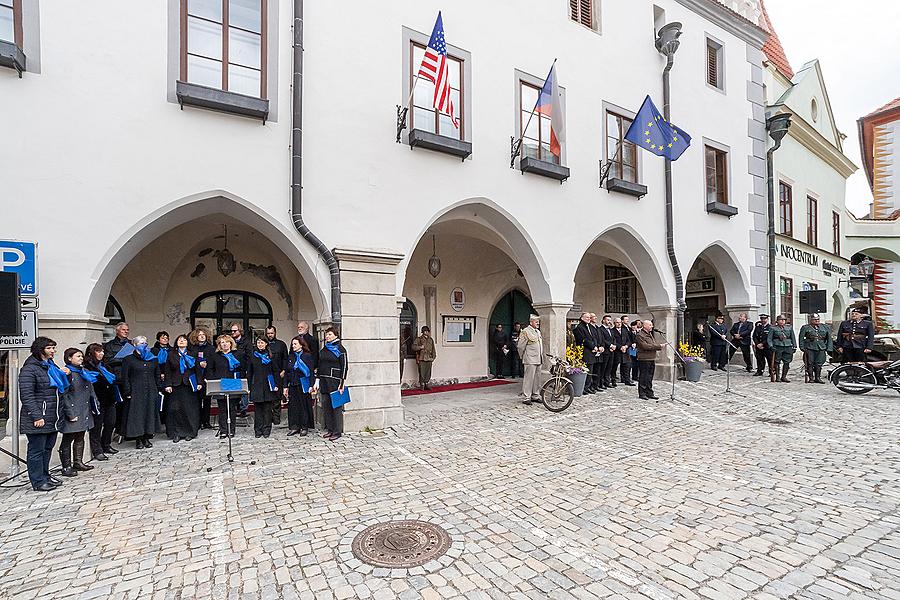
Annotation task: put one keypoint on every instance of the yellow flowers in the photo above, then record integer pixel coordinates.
(575, 357)
(687, 350)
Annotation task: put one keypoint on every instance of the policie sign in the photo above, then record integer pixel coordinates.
(20, 257)
(29, 332)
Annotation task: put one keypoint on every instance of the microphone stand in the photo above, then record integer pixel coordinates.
(727, 389)
(672, 377)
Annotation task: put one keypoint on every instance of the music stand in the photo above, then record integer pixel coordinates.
(232, 387)
(727, 389)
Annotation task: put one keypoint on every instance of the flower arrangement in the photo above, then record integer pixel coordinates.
(575, 358)
(691, 352)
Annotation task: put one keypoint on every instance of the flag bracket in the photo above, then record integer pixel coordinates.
(401, 120)
(515, 146)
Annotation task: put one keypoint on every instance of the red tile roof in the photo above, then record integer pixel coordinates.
(895, 103)
(772, 48)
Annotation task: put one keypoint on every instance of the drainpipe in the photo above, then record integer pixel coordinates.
(667, 43)
(778, 126)
(297, 168)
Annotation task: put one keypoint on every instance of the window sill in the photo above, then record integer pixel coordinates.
(419, 138)
(192, 94)
(626, 187)
(721, 209)
(544, 168)
(11, 56)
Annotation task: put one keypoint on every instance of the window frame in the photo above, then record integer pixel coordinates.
(225, 61)
(785, 209)
(619, 286)
(460, 112)
(410, 311)
(576, 14)
(786, 297)
(725, 197)
(620, 142)
(836, 232)
(713, 44)
(18, 33)
(222, 318)
(523, 121)
(812, 221)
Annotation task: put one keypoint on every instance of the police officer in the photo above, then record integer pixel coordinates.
(717, 343)
(855, 338)
(761, 344)
(815, 341)
(783, 344)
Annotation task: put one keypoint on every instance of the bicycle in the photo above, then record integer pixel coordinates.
(557, 392)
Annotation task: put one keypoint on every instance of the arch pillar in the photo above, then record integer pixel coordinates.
(665, 318)
(553, 326)
(370, 331)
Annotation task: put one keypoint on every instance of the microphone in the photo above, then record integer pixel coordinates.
(658, 331)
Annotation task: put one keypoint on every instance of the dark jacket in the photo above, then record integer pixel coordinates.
(606, 339)
(103, 390)
(76, 405)
(498, 340)
(245, 348)
(623, 336)
(292, 376)
(142, 382)
(313, 347)
(332, 370)
(217, 367)
(39, 400)
(202, 352)
(258, 379)
(647, 345)
(860, 336)
(745, 330)
(584, 337)
(716, 340)
(761, 334)
(279, 351)
(172, 375)
(110, 349)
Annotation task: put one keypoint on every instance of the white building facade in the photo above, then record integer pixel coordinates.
(160, 197)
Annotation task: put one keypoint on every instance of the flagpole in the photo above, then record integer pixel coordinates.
(403, 110)
(605, 174)
(517, 144)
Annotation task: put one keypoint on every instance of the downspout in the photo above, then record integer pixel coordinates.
(297, 168)
(777, 127)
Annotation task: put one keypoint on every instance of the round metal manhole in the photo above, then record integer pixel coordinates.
(400, 544)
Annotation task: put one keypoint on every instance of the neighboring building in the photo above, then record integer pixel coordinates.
(152, 209)
(878, 235)
(810, 176)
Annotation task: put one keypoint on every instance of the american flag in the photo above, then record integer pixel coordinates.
(435, 69)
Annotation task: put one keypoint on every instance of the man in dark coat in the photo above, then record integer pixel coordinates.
(112, 347)
(39, 412)
(517, 368)
(601, 351)
(245, 348)
(304, 332)
(761, 344)
(648, 346)
(717, 345)
(608, 341)
(741, 337)
(623, 344)
(500, 348)
(584, 337)
(279, 353)
(855, 338)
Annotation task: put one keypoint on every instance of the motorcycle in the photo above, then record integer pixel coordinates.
(859, 378)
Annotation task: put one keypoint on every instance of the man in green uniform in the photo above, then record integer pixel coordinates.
(815, 341)
(783, 344)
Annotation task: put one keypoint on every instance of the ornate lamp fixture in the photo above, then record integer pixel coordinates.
(434, 263)
(225, 262)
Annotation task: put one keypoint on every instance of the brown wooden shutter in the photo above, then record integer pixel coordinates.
(582, 11)
(712, 65)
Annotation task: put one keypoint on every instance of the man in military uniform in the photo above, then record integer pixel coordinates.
(855, 338)
(717, 344)
(761, 344)
(783, 344)
(815, 341)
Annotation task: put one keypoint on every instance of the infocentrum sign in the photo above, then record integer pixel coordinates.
(805, 257)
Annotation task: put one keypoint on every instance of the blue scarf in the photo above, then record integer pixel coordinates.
(163, 355)
(300, 366)
(263, 357)
(58, 379)
(333, 347)
(185, 361)
(233, 363)
(144, 352)
(109, 377)
(89, 376)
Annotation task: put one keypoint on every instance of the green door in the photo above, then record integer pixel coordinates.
(513, 307)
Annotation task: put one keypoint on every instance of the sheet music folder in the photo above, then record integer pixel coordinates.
(226, 387)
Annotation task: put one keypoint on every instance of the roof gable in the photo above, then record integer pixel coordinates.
(808, 95)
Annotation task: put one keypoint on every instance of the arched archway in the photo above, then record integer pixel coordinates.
(714, 284)
(512, 307)
(204, 208)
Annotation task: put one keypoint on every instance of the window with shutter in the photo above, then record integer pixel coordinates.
(582, 11)
(712, 69)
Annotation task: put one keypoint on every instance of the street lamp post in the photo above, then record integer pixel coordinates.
(778, 127)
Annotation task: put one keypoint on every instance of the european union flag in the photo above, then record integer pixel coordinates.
(651, 132)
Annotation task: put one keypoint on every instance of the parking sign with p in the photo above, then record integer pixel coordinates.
(20, 257)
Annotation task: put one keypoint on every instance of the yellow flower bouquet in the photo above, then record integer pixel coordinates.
(575, 358)
(689, 352)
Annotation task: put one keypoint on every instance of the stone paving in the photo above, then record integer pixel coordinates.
(790, 492)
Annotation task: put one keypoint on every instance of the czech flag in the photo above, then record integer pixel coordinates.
(549, 104)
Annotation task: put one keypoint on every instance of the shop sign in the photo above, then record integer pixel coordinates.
(697, 286)
(829, 267)
(805, 257)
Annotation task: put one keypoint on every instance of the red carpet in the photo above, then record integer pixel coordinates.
(457, 386)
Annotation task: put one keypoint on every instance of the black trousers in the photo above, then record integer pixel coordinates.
(596, 375)
(205, 408)
(763, 358)
(718, 358)
(223, 413)
(517, 368)
(334, 417)
(40, 448)
(499, 363)
(102, 431)
(71, 448)
(625, 369)
(300, 409)
(262, 418)
(745, 350)
(853, 355)
(646, 368)
(635, 368)
(609, 367)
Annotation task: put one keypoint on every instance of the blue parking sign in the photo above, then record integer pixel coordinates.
(21, 258)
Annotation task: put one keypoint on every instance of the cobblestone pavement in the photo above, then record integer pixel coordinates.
(791, 491)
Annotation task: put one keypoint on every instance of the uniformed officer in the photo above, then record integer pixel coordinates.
(815, 341)
(783, 344)
(717, 344)
(761, 344)
(855, 338)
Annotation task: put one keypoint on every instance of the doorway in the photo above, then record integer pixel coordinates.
(514, 307)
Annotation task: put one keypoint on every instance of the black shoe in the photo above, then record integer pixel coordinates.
(294, 432)
(101, 456)
(527, 402)
(175, 440)
(147, 444)
(303, 432)
(110, 450)
(68, 472)
(80, 466)
(757, 374)
(139, 444)
(643, 398)
(54, 481)
(44, 487)
(630, 383)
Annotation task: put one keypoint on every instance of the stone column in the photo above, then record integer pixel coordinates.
(553, 326)
(430, 293)
(664, 318)
(370, 330)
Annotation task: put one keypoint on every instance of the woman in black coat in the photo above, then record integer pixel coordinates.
(332, 373)
(107, 395)
(78, 405)
(264, 381)
(161, 349)
(300, 379)
(141, 385)
(182, 378)
(202, 349)
(224, 364)
(40, 380)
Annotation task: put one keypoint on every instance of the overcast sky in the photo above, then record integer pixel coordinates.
(855, 44)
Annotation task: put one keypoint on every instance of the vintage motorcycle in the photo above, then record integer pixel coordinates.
(859, 378)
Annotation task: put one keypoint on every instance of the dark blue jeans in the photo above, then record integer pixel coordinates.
(40, 447)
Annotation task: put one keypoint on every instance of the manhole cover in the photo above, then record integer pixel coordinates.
(400, 544)
(772, 421)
